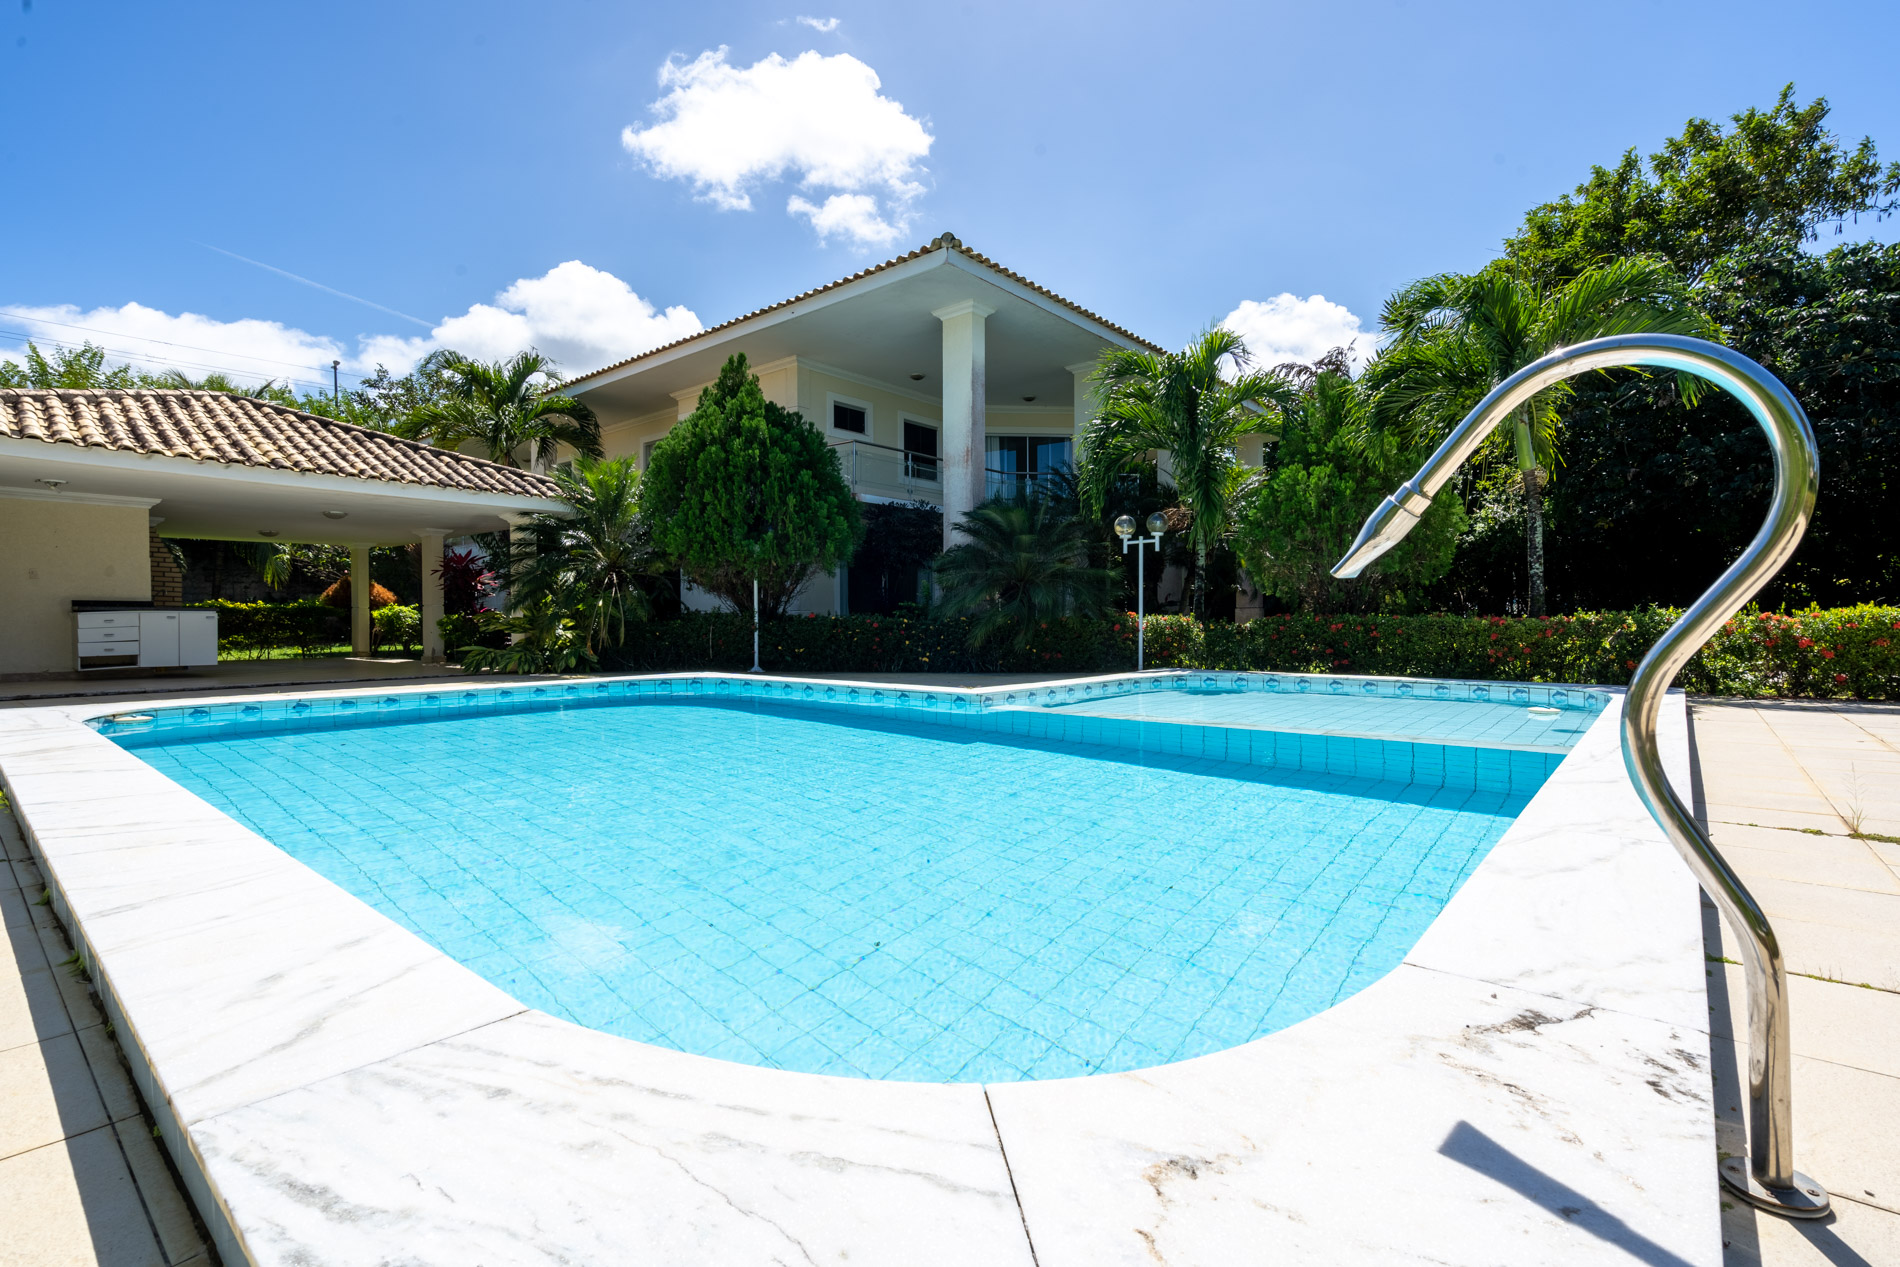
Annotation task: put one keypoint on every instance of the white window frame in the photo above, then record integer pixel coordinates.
(833, 399)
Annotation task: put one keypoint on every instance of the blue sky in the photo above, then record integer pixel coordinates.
(498, 172)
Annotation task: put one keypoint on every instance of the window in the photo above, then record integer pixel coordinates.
(646, 454)
(920, 451)
(1015, 466)
(852, 418)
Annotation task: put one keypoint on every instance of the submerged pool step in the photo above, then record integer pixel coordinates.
(1449, 765)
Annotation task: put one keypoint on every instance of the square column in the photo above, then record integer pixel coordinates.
(432, 613)
(359, 600)
(1086, 402)
(961, 462)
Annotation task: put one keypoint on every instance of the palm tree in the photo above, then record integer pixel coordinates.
(503, 406)
(1194, 405)
(587, 564)
(1022, 562)
(1457, 336)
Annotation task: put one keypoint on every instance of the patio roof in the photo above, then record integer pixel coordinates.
(215, 465)
(244, 431)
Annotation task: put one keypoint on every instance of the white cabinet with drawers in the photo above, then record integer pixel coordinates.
(146, 638)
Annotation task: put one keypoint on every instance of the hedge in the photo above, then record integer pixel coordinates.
(1844, 652)
(257, 629)
(306, 627)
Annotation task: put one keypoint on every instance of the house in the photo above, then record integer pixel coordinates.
(89, 480)
(940, 377)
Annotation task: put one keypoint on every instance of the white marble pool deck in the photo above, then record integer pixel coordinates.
(1529, 1086)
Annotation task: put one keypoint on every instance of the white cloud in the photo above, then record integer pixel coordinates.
(824, 26)
(820, 120)
(580, 316)
(1288, 328)
(854, 215)
(249, 351)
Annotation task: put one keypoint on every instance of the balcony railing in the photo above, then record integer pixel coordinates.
(879, 468)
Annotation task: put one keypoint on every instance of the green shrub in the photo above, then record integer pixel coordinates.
(255, 630)
(396, 626)
(1827, 654)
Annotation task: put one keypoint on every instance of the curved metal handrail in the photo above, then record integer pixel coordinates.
(1769, 1179)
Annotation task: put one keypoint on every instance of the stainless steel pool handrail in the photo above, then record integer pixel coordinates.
(1768, 1178)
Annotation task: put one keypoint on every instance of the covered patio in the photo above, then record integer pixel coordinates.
(91, 480)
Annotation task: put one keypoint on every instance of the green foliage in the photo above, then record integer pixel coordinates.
(588, 564)
(1022, 564)
(1195, 405)
(1658, 500)
(258, 630)
(1299, 516)
(1825, 654)
(1774, 179)
(503, 407)
(541, 638)
(1455, 337)
(396, 626)
(874, 644)
(743, 489)
(80, 369)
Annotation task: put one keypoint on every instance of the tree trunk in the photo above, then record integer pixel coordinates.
(1534, 538)
(1200, 580)
(1532, 477)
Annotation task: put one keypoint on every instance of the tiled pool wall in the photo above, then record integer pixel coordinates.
(1565, 695)
(1012, 712)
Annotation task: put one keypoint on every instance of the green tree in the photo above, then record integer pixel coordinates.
(1680, 492)
(1777, 176)
(1022, 563)
(503, 407)
(744, 489)
(1300, 514)
(1193, 405)
(590, 563)
(72, 369)
(1455, 336)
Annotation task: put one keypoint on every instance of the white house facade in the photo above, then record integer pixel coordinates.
(939, 377)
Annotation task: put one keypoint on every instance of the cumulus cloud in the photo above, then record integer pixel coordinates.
(248, 350)
(1288, 328)
(819, 120)
(580, 316)
(824, 26)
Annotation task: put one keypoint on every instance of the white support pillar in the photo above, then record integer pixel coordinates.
(962, 460)
(359, 600)
(1085, 401)
(431, 551)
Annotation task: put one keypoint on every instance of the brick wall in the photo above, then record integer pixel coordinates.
(168, 579)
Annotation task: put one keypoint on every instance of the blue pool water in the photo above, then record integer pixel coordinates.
(866, 894)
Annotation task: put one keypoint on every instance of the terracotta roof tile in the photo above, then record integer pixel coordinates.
(941, 242)
(243, 431)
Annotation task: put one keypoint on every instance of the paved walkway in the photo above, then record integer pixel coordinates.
(1784, 787)
(82, 1180)
(227, 676)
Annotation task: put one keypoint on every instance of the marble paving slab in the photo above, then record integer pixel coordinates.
(1524, 1089)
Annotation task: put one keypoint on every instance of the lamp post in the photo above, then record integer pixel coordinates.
(1125, 529)
(755, 627)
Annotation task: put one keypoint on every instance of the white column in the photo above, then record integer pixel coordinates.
(359, 600)
(962, 460)
(431, 551)
(1085, 401)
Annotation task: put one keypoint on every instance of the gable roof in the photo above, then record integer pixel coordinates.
(943, 241)
(243, 431)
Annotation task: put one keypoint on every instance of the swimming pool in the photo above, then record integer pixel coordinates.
(868, 892)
